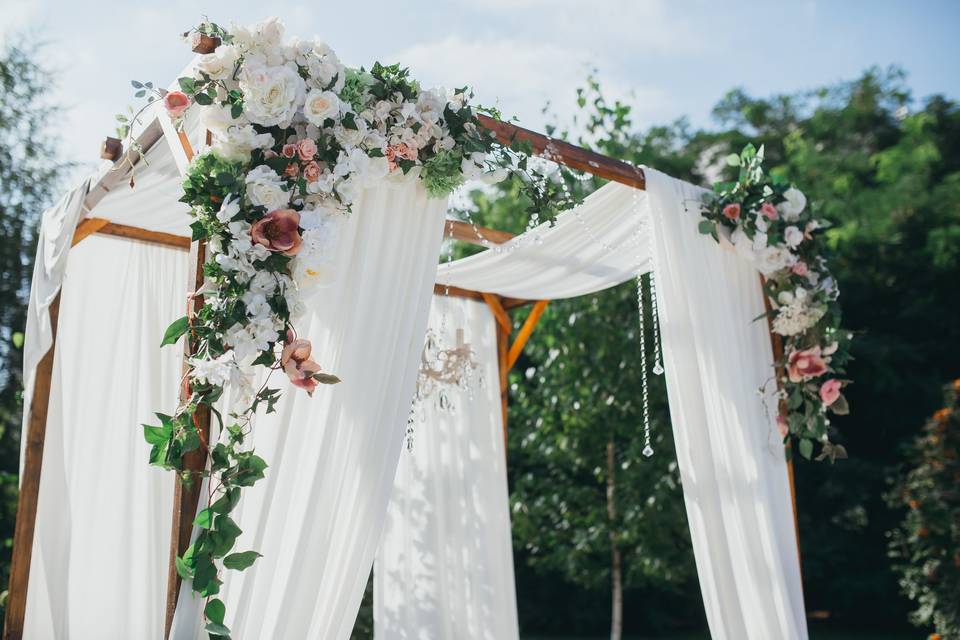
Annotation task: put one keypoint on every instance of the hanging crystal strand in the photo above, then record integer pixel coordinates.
(410, 421)
(644, 387)
(657, 359)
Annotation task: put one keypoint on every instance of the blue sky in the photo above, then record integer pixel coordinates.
(668, 59)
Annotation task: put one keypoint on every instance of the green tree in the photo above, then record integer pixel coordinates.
(29, 172)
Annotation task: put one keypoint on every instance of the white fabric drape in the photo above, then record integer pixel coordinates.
(593, 247)
(729, 452)
(103, 521)
(318, 515)
(445, 565)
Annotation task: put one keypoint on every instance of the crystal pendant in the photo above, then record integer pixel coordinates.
(658, 369)
(648, 451)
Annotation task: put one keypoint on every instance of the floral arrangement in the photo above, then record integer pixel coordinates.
(295, 137)
(768, 222)
(926, 545)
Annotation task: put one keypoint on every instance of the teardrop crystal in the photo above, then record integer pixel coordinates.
(648, 451)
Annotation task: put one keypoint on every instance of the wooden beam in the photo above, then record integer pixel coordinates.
(525, 331)
(111, 149)
(145, 235)
(87, 227)
(567, 154)
(119, 175)
(474, 234)
(30, 488)
(503, 318)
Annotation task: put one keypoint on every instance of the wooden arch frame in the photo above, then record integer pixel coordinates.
(186, 499)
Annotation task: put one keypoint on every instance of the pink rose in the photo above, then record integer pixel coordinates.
(402, 151)
(296, 363)
(312, 171)
(289, 150)
(292, 170)
(830, 391)
(783, 426)
(176, 103)
(278, 231)
(307, 148)
(769, 210)
(732, 211)
(800, 268)
(806, 364)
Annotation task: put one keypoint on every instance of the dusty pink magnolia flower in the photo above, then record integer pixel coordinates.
(830, 391)
(805, 364)
(307, 148)
(278, 231)
(296, 363)
(312, 171)
(176, 103)
(783, 426)
(292, 170)
(800, 268)
(732, 211)
(289, 150)
(270, 153)
(769, 210)
(402, 151)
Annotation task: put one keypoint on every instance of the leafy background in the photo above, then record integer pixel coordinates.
(883, 166)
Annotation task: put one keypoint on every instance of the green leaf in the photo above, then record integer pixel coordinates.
(733, 160)
(188, 85)
(156, 435)
(806, 448)
(216, 629)
(225, 179)
(176, 329)
(215, 610)
(203, 99)
(706, 227)
(204, 519)
(326, 378)
(185, 572)
(241, 561)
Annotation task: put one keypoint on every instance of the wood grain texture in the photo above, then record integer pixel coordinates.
(30, 488)
(567, 154)
(474, 234)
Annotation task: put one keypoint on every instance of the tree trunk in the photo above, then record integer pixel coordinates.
(616, 577)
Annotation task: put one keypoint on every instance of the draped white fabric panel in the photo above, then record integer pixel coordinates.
(729, 451)
(103, 522)
(445, 564)
(595, 246)
(318, 516)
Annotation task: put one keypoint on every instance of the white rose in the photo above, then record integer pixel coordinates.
(321, 105)
(271, 95)
(265, 189)
(773, 259)
(794, 204)
(220, 64)
(349, 189)
(271, 31)
(792, 236)
(236, 142)
(351, 137)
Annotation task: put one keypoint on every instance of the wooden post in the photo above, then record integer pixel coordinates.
(525, 331)
(30, 488)
(186, 497)
(776, 343)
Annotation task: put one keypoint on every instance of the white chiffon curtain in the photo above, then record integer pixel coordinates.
(716, 356)
(318, 514)
(102, 536)
(445, 564)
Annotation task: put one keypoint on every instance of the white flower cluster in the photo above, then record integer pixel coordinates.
(796, 312)
(314, 267)
(222, 371)
(301, 84)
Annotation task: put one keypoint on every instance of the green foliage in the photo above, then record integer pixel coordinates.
(926, 545)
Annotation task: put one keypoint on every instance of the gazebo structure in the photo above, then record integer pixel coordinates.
(147, 215)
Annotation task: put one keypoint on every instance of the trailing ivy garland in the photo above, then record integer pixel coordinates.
(296, 137)
(770, 226)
